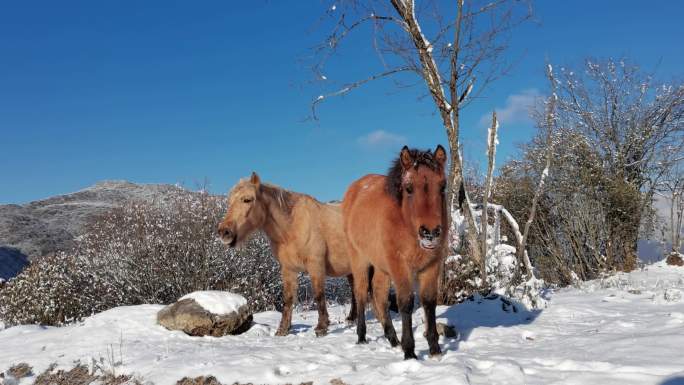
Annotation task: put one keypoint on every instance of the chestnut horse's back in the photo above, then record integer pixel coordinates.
(367, 212)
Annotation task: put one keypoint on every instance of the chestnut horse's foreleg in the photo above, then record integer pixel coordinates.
(381, 286)
(289, 295)
(361, 293)
(352, 312)
(404, 288)
(318, 285)
(427, 280)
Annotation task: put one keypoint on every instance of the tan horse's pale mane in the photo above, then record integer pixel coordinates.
(285, 199)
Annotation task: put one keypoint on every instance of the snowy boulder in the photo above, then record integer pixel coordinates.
(207, 313)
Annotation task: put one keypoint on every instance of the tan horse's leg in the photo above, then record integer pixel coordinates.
(403, 285)
(352, 312)
(381, 286)
(427, 280)
(318, 284)
(289, 295)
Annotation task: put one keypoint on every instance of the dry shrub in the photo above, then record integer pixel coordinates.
(143, 252)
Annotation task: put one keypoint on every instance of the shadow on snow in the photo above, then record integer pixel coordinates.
(491, 311)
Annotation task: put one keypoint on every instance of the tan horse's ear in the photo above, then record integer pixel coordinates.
(406, 158)
(440, 155)
(254, 179)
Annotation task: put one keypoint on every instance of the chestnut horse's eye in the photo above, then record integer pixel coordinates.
(442, 189)
(247, 200)
(409, 189)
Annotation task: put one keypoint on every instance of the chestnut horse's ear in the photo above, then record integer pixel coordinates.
(406, 158)
(254, 179)
(440, 155)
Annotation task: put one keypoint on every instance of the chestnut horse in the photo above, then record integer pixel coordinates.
(396, 224)
(305, 235)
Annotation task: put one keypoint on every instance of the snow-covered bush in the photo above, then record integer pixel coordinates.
(143, 252)
(504, 270)
(53, 290)
(157, 252)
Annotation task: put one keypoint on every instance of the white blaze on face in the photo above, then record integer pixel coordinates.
(407, 177)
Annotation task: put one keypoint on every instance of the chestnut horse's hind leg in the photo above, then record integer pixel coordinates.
(352, 312)
(427, 279)
(361, 294)
(381, 286)
(318, 284)
(289, 295)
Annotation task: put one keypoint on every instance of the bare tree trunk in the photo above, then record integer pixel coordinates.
(549, 122)
(491, 153)
(680, 214)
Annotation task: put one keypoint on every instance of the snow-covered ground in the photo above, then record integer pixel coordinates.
(628, 329)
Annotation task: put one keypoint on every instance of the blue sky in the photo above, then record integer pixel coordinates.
(182, 92)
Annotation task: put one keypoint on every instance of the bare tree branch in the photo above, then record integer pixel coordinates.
(348, 87)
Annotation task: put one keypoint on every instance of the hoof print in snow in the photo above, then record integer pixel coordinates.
(675, 259)
(207, 313)
(672, 295)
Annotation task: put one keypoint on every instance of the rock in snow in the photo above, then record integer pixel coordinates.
(207, 313)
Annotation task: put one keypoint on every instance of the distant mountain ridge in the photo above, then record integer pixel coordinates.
(46, 226)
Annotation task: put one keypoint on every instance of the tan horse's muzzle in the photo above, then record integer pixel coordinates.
(227, 235)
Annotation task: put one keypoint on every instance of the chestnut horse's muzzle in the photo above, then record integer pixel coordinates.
(429, 239)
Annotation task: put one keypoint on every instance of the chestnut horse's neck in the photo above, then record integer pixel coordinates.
(279, 204)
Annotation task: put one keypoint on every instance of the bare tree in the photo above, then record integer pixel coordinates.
(672, 190)
(549, 126)
(462, 56)
(636, 128)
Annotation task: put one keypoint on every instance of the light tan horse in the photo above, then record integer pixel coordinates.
(306, 236)
(397, 225)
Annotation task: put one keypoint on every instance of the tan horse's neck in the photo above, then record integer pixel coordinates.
(278, 204)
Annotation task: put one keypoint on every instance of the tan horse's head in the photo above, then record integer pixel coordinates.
(246, 213)
(418, 182)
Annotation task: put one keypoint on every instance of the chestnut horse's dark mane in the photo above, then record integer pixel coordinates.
(394, 175)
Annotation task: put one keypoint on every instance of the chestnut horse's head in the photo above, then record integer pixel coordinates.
(246, 212)
(418, 181)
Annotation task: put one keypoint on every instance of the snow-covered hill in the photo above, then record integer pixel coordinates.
(49, 225)
(627, 329)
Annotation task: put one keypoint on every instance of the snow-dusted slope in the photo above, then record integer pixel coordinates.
(49, 225)
(628, 329)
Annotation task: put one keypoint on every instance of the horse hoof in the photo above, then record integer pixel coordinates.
(362, 342)
(282, 333)
(410, 356)
(321, 332)
(394, 342)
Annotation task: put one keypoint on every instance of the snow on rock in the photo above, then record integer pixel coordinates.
(217, 302)
(608, 331)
